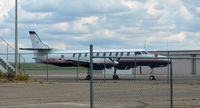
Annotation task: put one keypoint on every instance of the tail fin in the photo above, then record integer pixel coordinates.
(36, 42)
(40, 49)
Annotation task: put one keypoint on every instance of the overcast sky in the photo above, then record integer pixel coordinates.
(74, 24)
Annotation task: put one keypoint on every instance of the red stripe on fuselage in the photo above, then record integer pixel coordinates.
(104, 63)
(54, 62)
(143, 61)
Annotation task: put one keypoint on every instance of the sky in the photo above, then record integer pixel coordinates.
(107, 24)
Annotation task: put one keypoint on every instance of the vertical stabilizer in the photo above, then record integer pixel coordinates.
(36, 42)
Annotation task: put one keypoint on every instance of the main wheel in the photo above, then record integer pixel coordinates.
(115, 77)
(87, 77)
(152, 77)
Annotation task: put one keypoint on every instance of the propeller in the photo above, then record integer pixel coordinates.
(115, 61)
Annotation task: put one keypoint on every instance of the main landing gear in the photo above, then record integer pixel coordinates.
(115, 76)
(152, 77)
(88, 75)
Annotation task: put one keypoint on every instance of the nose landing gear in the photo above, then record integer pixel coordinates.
(115, 76)
(152, 77)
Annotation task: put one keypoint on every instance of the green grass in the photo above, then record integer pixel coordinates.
(34, 66)
(22, 77)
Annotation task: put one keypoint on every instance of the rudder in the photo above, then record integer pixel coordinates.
(36, 42)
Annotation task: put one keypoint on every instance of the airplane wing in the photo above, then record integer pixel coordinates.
(35, 49)
(80, 62)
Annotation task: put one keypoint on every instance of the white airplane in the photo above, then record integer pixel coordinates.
(72, 58)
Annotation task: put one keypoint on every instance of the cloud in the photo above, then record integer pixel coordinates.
(133, 5)
(198, 9)
(60, 46)
(106, 24)
(150, 7)
(82, 24)
(21, 45)
(5, 30)
(131, 30)
(84, 37)
(67, 10)
(5, 6)
(185, 13)
(63, 26)
(177, 37)
(164, 27)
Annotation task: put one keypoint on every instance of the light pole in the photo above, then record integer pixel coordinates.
(16, 39)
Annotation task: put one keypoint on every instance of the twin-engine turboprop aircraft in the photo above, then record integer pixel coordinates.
(117, 58)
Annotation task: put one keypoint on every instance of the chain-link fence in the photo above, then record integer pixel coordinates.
(133, 89)
(176, 85)
(138, 91)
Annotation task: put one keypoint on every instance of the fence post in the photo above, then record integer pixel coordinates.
(171, 83)
(19, 61)
(104, 70)
(168, 68)
(193, 64)
(91, 77)
(47, 68)
(77, 71)
(135, 69)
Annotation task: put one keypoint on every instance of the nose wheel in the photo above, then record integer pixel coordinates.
(115, 76)
(152, 77)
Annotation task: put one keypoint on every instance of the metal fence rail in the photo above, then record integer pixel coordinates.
(176, 85)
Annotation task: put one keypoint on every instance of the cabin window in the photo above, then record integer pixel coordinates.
(79, 55)
(122, 53)
(74, 54)
(97, 53)
(128, 53)
(117, 53)
(104, 54)
(143, 52)
(86, 54)
(110, 54)
(137, 53)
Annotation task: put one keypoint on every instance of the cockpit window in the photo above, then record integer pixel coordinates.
(143, 52)
(138, 53)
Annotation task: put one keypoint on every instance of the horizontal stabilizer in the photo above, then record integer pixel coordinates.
(36, 49)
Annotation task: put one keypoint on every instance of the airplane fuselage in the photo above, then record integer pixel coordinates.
(82, 58)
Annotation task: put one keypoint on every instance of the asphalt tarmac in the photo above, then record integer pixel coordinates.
(64, 90)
